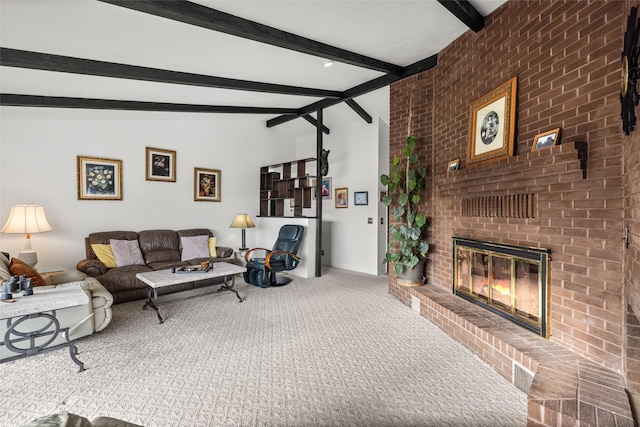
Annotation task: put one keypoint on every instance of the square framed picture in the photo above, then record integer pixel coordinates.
(342, 198)
(161, 165)
(361, 198)
(99, 179)
(326, 188)
(492, 125)
(546, 139)
(453, 165)
(207, 185)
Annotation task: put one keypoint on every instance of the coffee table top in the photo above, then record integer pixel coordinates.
(43, 300)
(161, 278)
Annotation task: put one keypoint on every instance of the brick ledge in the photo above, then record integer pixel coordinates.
(567, 389)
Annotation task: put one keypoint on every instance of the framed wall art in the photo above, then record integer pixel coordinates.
(99, 179)
(361, 198)
(326, 188)
(453, 165)
(161, 165)
(342, 198)
(492, 125)
(546, 139)
(207, 185)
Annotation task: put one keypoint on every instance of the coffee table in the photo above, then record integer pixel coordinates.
(162, 278)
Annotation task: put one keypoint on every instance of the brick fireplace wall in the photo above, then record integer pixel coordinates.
(566, 56)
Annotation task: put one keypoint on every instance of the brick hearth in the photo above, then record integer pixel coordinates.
(566, 389)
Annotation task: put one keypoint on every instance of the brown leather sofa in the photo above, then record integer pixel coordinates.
(160, 249)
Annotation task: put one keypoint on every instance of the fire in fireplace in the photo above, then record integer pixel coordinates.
(512, 281)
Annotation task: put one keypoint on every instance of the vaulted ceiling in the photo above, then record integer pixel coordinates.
(255, 57)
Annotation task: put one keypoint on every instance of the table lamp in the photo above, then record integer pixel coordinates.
(242, 221)
(27, 219)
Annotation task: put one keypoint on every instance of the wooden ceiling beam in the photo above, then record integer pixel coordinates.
(465, 12)
(212, 19)
(66, 64)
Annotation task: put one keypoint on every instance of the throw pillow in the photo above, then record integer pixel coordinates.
(126, 252)
(5, 275)
(19, 268)
(104, 254)
(194, 247)
(212, 247)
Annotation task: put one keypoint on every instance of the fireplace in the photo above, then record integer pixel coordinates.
(512, 281)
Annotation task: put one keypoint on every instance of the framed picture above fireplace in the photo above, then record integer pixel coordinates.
(546, 139)
(492, 125)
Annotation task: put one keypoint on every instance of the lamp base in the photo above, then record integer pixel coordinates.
(28, 257)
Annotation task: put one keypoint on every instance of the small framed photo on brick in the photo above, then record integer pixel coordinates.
(546, 139)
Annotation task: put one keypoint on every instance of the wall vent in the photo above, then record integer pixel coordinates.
(507, 206)
(522, 377)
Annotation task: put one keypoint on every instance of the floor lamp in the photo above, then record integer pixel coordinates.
(27, 219)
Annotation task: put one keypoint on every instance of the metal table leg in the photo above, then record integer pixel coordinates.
(227, 287)
(152, 295)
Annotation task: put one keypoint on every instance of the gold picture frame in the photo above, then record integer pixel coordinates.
(342, 197)
(99, 179)
(546, 139)
(207, 185)
(453, 165)
(160, 164)
(492, 125)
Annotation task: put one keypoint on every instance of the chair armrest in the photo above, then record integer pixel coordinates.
(65, 276)
(247, 256)
(291, 254)
(91, 267)
(224, 252)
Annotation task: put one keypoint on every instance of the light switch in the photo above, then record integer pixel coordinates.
(370, 221)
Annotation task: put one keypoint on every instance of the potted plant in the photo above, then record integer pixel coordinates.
(405, 183)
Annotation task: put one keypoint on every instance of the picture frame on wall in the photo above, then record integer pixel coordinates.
(492, 125)
(326, 188)
(453, 165)
(360, 198)
(207, 184)
(546, 139)
(342, 197)
(99, 178)
(160, 164)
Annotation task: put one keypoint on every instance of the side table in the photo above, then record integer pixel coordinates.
(238, 257)
(32, 324)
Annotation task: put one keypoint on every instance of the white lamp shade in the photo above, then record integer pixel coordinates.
(242, 221)
(26, 219)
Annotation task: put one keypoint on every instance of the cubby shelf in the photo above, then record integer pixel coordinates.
(283, 182)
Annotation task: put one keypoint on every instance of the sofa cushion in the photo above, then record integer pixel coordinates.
(5, 275)
(194, 247)
(104, 237)
(126, 252)
(104, 254)
(159, 245)
(19, 268)
(212, 247)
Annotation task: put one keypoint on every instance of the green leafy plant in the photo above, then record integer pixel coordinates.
(405, 183)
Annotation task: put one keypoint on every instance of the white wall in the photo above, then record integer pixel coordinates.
(38, 149)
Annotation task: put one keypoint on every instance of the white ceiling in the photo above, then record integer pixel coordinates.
(397, 31)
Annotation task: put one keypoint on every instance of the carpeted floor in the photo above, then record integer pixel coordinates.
(331, 351)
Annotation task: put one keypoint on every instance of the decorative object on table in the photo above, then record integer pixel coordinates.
(16, 284)
(361, 198)
(207, 185)
(242, 221)
(629, 73)
(342, 197)
(99, 179)
(27, 219)
(161, 164)
(407, 247)
(324, 162)
(492, 125)
(202, 268)
(325, 189)
(546, 139)
(453, 165)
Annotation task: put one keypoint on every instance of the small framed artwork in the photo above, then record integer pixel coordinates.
(454, 165)
(361, 198)
(99, 179)
(161, 165)
(342, 198)
(326, 188)
(492, 125)
(207, 185)
(546, 139)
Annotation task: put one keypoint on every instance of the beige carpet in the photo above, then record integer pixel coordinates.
(331, 351)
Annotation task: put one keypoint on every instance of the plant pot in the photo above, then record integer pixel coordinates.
(413, 277)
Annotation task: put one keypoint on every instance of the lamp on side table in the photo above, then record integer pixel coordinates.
(27, 219)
